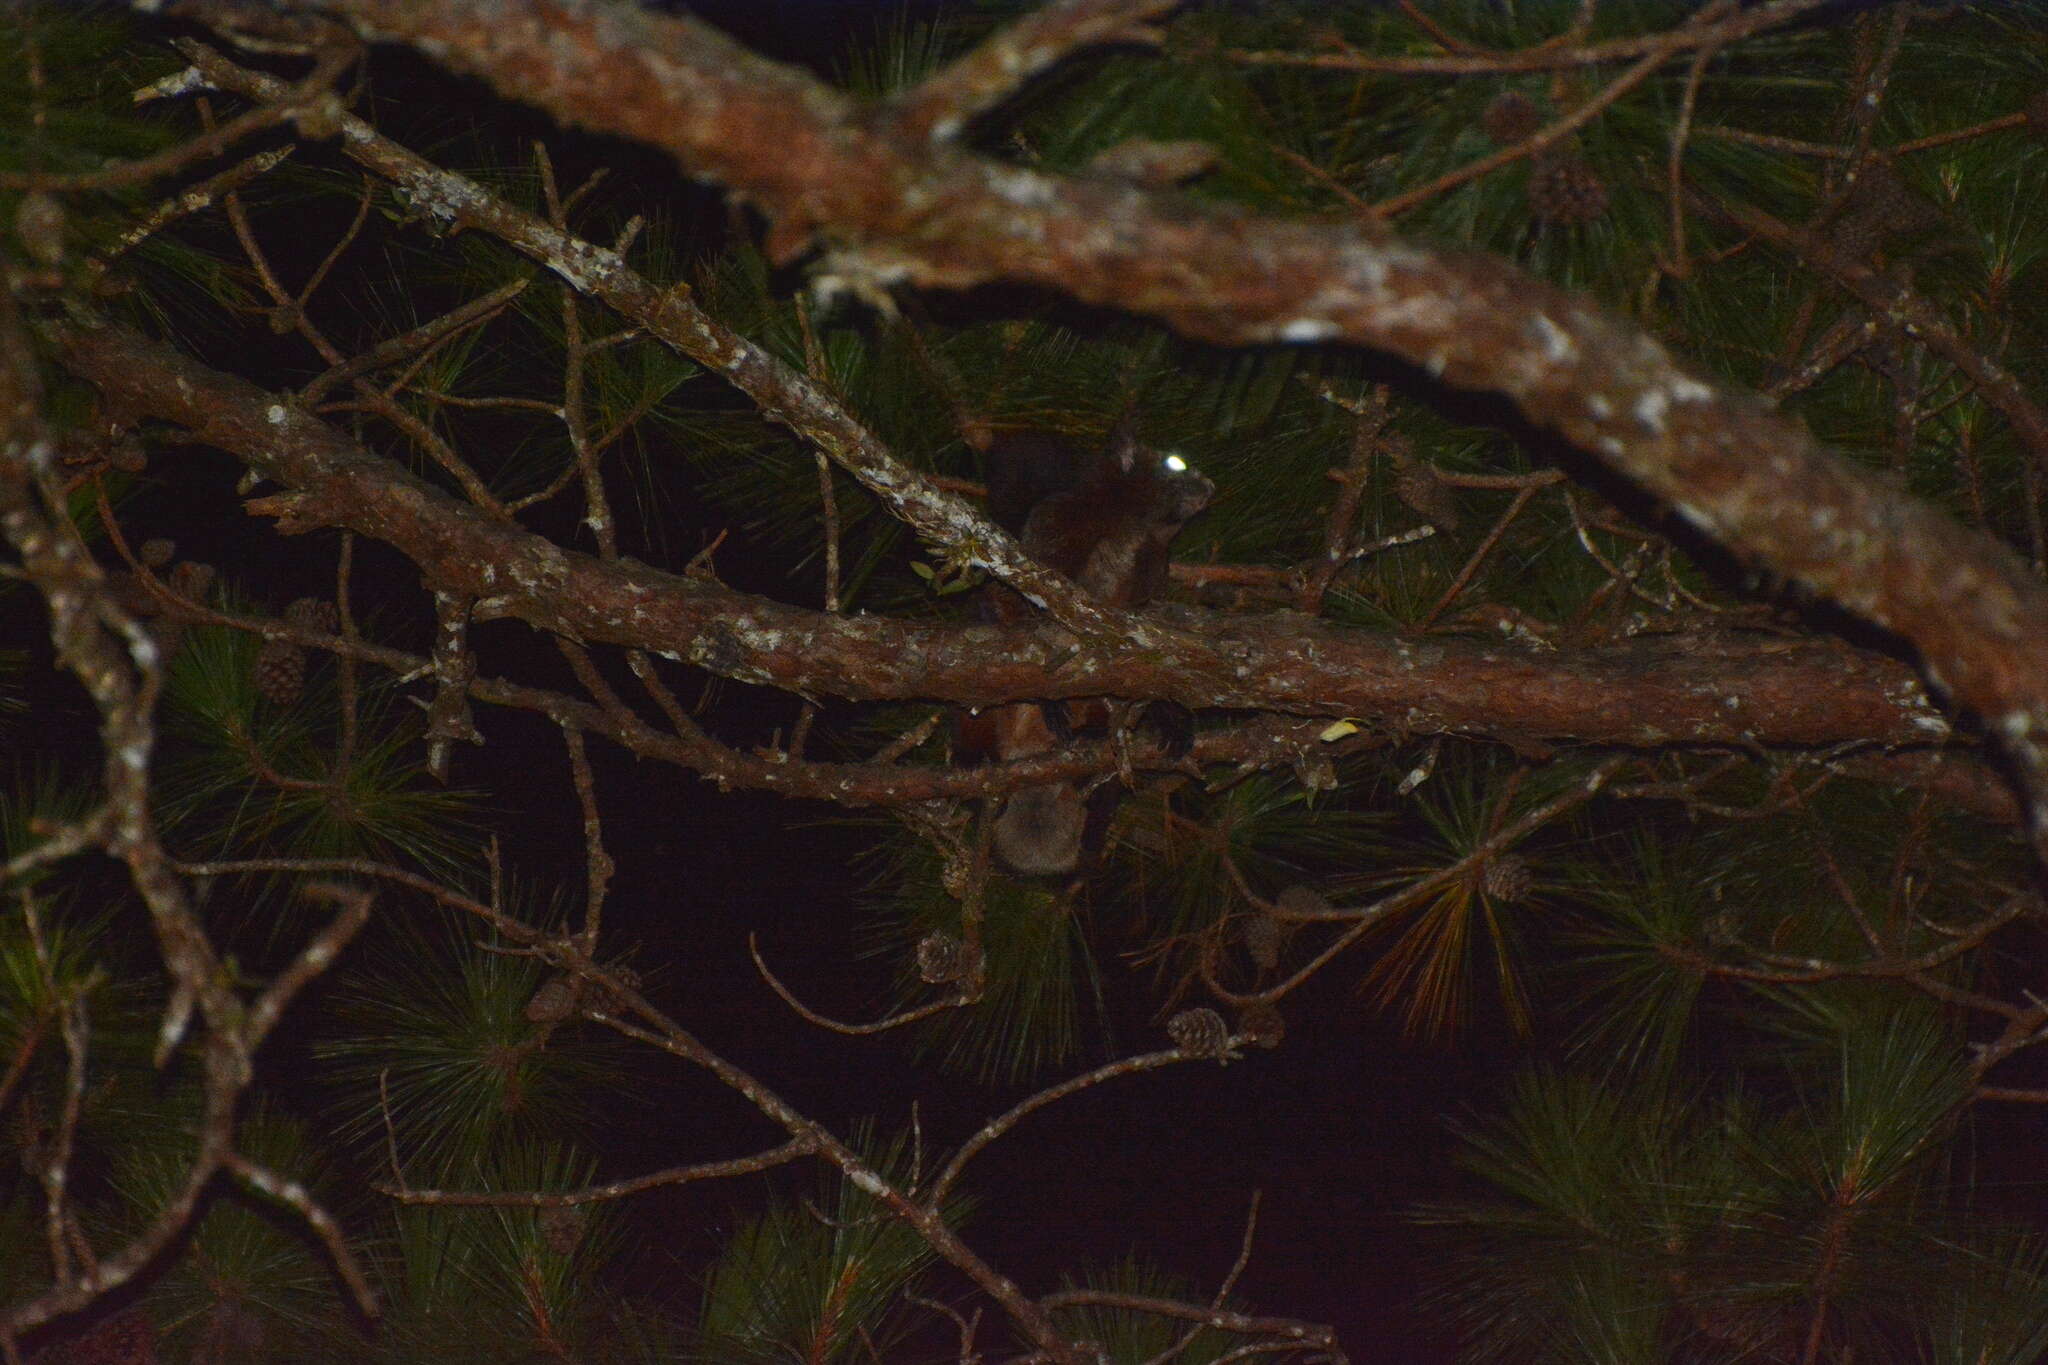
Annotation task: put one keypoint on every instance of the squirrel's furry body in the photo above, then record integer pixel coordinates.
(1107, 520)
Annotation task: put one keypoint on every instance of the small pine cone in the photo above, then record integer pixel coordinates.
(1200, 1032)
(1423, 489)
(941, 958)
(553, 1002)
(280, 671)
(1262, 1024)
(1883, 193)
(1722, 929)
(561, 1227)
(1507, 879)
(1859, 238)
(125, 453)
(149, 609)
(2037, 114)
(158, 552)
(1511, 116)
(190, 580)
(1564, 188)
(311, 613)
(609, 1001)
(1301, 902)
(1263, 937)
(1881, 208)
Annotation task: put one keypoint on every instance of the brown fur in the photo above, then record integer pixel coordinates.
(1108, 522)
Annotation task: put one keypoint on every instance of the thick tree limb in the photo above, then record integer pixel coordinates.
(781, 393)
(902, 212)
(1735, 690)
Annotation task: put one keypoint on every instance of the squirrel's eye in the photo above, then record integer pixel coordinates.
(1175, 464)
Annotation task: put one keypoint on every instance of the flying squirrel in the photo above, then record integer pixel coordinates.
(1105, 519)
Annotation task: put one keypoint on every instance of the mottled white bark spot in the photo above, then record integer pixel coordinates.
(1694, 515)
(1023, 188)
(1650, 409)
(1558, 346)
(1308, 329)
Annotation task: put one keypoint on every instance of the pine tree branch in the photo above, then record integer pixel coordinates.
(780, 1155)
(1752, 479)
(1697, 690)
(1903, 309)
(781, 393)
(1295, 1333)
(938, 107)
(1546, 56)
(122, 669)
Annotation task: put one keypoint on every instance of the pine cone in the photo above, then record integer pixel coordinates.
(1262, 1024)
(1263, 937)
(1564, 188)
(280, 671)
(1200, 1032)
(1882, 190)
(190, 580)
(1507, 878)
(941, 958)
(1301, 902)
(311, 613)
(1881, 208)
(1511, 116)
(125, 453)
(561, 1227)
(1424, 490)
(609, 1001)
(1722, 929)
(553, 1002)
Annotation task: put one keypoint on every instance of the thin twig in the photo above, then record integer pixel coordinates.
(894, 1021)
